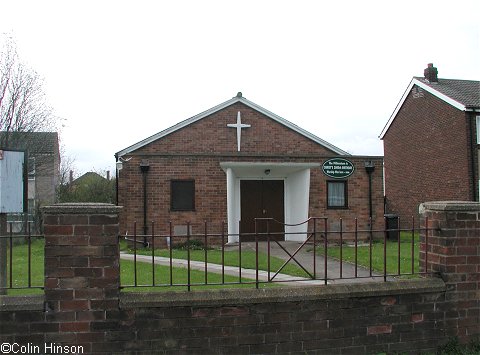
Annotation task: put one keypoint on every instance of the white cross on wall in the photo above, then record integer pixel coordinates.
(239, 125)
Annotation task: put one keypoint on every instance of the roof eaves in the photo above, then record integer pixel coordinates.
(176, 127)
(425, 87)
(440, 95)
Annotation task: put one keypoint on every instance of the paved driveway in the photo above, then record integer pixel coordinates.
(304, 256)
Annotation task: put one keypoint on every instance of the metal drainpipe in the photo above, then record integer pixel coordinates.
(370, 168)
(472, 155)
(116, 179)
(144, 167)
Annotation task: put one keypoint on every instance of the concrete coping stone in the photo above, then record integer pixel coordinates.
(22, 303)
(461, 206)
(82, 208)
(278, 294)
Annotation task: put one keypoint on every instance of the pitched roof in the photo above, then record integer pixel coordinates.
(466, 92)
(461, 94)
(35, 142)
(90, 175)
(238, 98)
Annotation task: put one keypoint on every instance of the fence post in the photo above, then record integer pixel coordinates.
(82, 275)
(454, 254)
(3, 254)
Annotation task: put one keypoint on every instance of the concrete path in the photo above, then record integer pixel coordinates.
(217, 269)
(304, 255)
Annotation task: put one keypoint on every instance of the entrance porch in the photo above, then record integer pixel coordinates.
(296, 178)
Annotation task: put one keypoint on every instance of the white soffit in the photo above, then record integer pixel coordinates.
(427, 88)
(223, 105)
(257, 169)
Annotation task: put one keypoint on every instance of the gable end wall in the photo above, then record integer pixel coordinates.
(427, 155)
(210, 135)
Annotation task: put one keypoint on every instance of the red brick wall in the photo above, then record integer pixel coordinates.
(426, 155)
(82, 271)
(210, 194)
(211, 135)
(452, 249)
(401, 317)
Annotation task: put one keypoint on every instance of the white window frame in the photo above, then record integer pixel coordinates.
(478, 129)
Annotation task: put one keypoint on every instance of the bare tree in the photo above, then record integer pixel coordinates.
(23, 109)
(23, 105)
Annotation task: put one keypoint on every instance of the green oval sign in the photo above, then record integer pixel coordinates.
(338, 168)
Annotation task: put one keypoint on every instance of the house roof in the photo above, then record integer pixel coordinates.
(238, 98)
(90, 175)
(465, 92)
(461, 94)
(35, 142)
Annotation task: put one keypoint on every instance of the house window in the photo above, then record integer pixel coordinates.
(182, 195)
(337, 194)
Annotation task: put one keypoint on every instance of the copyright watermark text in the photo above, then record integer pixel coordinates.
(47, 348)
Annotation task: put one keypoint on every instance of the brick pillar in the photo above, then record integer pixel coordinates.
(454, 253)
(82, 275)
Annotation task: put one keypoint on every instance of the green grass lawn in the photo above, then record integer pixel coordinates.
(179, 278)
(20, 279)
(231, 258)
(392, 260)
(20, 268)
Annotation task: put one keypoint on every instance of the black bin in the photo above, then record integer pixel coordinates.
(391, 226)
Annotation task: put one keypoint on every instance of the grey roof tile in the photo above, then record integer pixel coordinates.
(467, 92)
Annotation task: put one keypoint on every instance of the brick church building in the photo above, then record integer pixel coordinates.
(238, 161)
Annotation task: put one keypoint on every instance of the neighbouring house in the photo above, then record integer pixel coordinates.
(238, 161)
(90, 187)
(43, 154)
(431, 144)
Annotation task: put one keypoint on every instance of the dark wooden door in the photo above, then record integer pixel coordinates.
(262, 199)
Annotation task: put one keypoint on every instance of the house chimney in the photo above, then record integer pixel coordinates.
(431, 73)
(70, 180)
(108, 175)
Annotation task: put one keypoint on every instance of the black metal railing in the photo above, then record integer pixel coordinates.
(325, 254)
(21, 260)
(206, 255)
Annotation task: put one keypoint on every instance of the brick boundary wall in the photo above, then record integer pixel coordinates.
(83, 307)
(454, 253)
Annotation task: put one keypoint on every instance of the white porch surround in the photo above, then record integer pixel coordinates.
(297, 189)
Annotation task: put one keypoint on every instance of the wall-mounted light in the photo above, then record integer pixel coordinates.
(267, 171)
(120, 161)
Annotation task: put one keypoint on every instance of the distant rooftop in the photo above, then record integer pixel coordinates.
(36, 142)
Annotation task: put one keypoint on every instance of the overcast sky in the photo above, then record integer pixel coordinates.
(120, 71)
